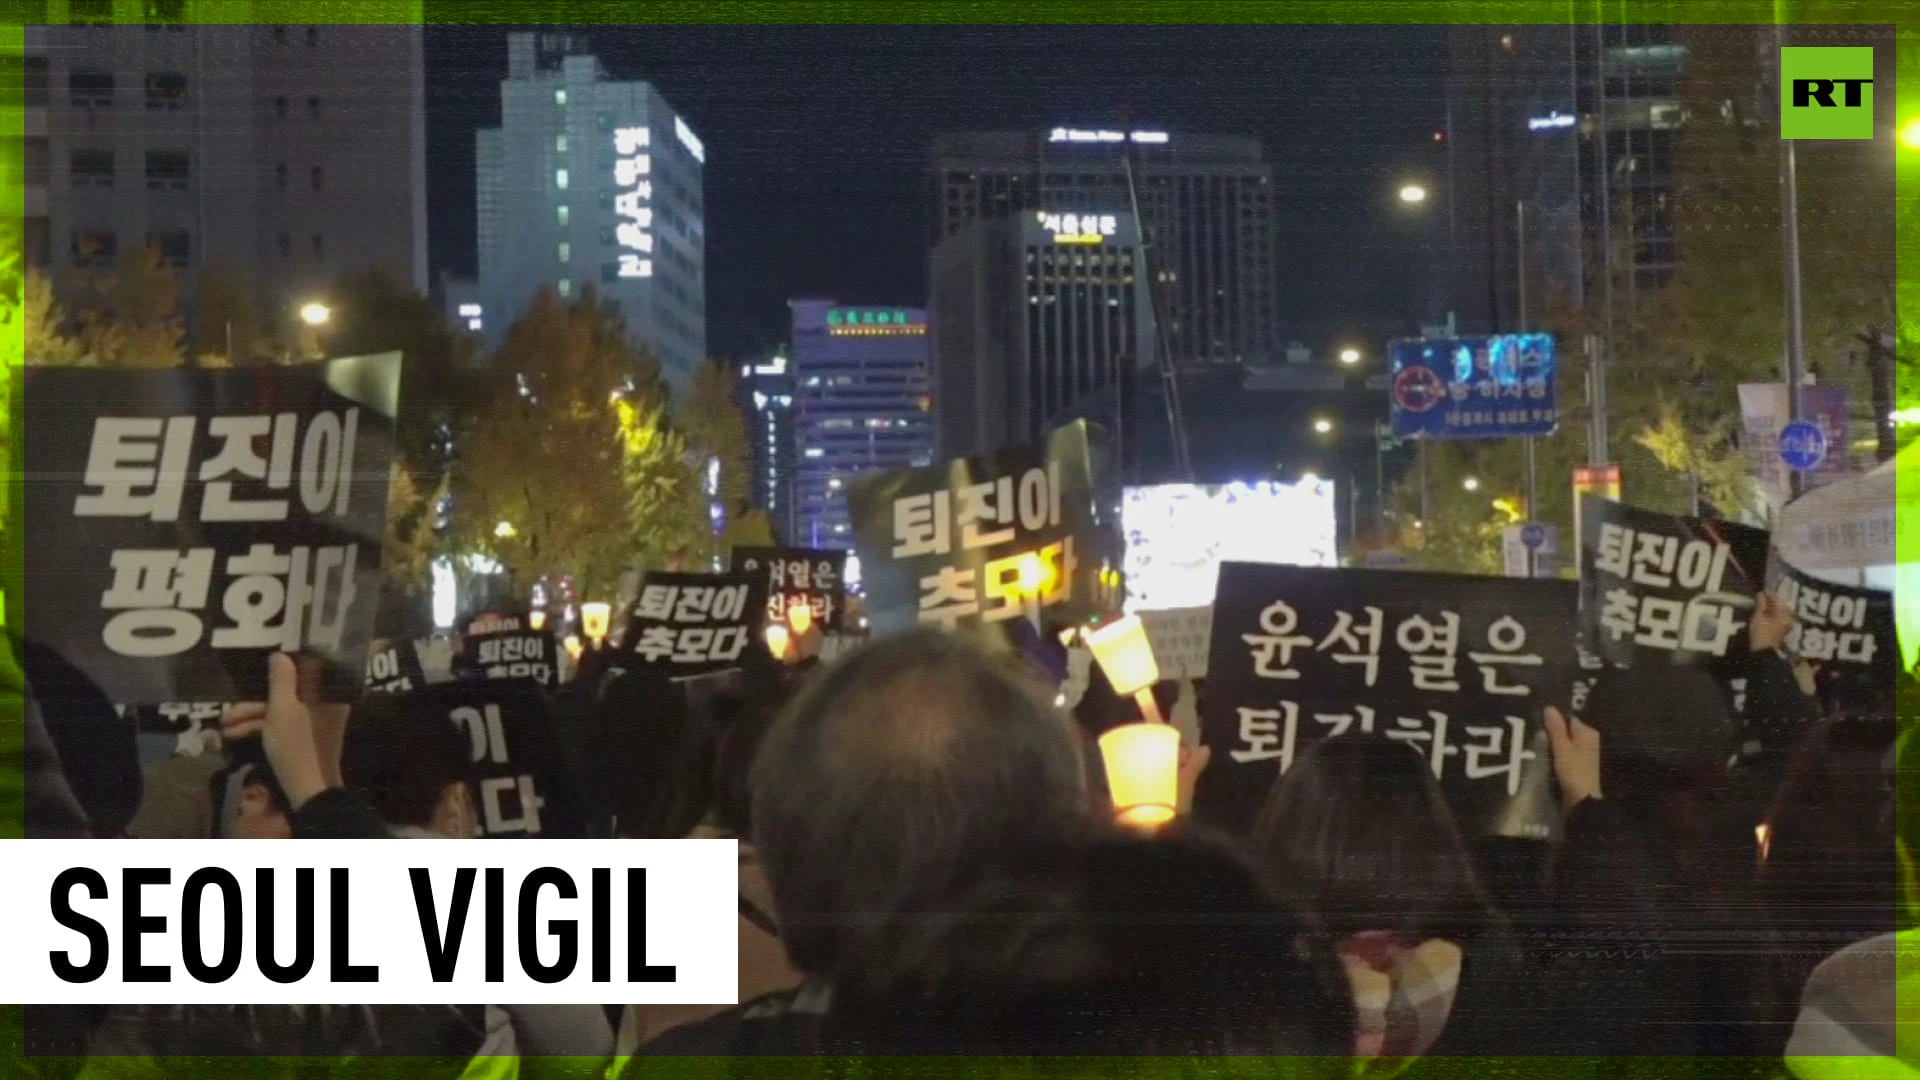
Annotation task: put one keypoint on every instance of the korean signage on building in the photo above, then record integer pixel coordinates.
(187, 523)
(1457, 668)
(633, 200)
(1473, 388)
(870, 317)
(984, 540)
(1079, 228)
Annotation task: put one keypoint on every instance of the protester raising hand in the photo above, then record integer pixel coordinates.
(302, 742)
(1772, 622)
(1576, 757)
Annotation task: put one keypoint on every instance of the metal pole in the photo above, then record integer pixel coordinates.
(1600, 355)
(230, 358)
(1520, 270)
(1379, 485)
(1796, 327)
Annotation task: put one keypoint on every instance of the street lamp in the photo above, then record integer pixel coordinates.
(1471, 483)
(1322, 425)
(1349, 355)
(315, 313)
(1910, 134)
(1413, 193)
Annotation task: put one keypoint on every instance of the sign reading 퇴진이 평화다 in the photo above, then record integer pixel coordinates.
(1661, 587)
(520, 780)
(319, 922)
(1843, 626)
(185, 523)
(393, 667)
(984, 540)
(799, 577)
(696, 624)
(1458, 668)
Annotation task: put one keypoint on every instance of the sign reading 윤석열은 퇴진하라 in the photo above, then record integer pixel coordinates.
(1661, 587)
(1458, 668)
(187, 523)
(799, 577)
(696, 624)
(633, 200)
(984, 540)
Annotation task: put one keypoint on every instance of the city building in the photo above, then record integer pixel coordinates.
(1206, 203)
(588, 181)
(1038, 319)
(767, 391)
(283, 156)
(861, 403)
(1522, 152)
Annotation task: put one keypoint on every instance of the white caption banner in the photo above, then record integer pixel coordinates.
(78, 936)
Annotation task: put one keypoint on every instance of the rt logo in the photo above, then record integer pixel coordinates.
(1826, 92)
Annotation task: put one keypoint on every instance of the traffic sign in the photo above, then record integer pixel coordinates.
(1473, 388)
(1803, 446)
(1533, 535)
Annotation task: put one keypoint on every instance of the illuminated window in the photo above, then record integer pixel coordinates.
(560, 96)
(564, 287)
(560, 141)
(561, 212)
(560, 179)
(566, 251)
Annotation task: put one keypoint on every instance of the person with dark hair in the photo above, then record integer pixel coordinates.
(891, 778)
(412, 770)
(1359, 826)
(1103, 945)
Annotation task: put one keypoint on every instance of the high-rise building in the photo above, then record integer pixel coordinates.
(283, 155)
(862, 402)
(766, 390)
(588, 181)
(1523, 156)
(1038, 319)
(1206, 203)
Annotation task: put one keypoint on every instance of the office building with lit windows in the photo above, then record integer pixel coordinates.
(588, 181)
(1206, 203)
(861, 403)
(1037, 320)
(766, 389)
(279, 156)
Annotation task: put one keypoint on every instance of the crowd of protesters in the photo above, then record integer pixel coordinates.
(928, 868)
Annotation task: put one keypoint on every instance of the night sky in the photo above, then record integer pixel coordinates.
(817, 140)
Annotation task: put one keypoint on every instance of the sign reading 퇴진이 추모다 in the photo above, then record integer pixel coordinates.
(1458, 668)
(696, 624)
(799, 577)
(511, 651)
(983, 540)
(1662, 587)
(186, 523)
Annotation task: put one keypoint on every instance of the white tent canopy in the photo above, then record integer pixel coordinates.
(1863, 531)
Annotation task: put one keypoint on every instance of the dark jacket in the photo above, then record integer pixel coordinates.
(177, 1038)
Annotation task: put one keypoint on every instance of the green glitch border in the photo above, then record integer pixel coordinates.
(1903, 15)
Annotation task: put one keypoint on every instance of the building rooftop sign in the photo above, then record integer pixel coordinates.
(1549, 122)
(689, 140)
(1102, 135)
(633, 201)
(872, 322)
(1079, 228)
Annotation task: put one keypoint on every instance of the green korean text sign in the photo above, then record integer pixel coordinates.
(1826, 93)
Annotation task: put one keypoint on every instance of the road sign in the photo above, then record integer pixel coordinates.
(1517, 551)
(1803, 446)
(1473, 387)
(1533, 535)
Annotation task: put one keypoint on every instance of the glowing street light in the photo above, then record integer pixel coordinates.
(1322, 425)
(1349, 355)
(505, 531)
(1910, 134)
(1471, 483)
(1413, 193)
(315, 314)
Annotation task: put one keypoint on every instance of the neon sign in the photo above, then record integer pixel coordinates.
(632, 201)
(1079, 228)
(689, 140)
(1549, 122)
(867, 317)
(1079, 135)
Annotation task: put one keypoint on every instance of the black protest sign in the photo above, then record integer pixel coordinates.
(799, 577)
(511, 653)
(1458, 668)
(393, 667)
(1839, 626)
(186, 523)
(696, 624)
(1661, 587)
(519, 775)
(985, 540)
(192, 727)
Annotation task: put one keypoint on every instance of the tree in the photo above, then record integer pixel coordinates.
(129, 316)
(709, 415)
(226, 319)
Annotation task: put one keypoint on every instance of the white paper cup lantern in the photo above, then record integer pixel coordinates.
(595, 619)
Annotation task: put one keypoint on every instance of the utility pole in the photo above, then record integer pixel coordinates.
(1169, 374)
(1790, 225)
(1520, 270)
(1598, 353)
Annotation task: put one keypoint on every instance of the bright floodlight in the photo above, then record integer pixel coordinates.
(1349, 355)
(1323, 425)
(315, 314)
(1910, 134)
(1413, 193)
